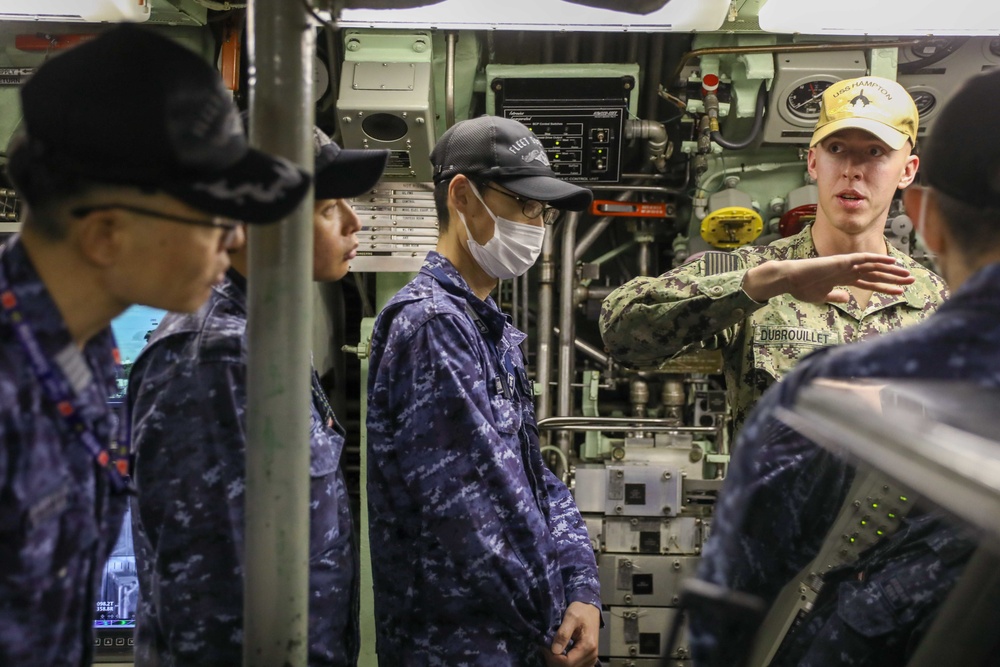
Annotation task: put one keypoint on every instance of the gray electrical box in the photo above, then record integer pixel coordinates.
(641, 632)
(644, 580)
(799, 82)
(386, 100)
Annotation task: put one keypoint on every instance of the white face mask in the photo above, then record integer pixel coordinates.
(513, 249)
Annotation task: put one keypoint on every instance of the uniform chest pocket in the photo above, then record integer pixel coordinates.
(779, 348)
(506, 412)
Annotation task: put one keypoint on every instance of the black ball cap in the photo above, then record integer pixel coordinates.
(132, 107)
(343, 172)
(962, 156)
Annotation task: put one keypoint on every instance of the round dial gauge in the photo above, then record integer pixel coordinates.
(995, 46)
(924, 101)
(804, 100)
(930, 47)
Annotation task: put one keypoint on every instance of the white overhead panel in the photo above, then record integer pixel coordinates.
(74, 11)
(883, 17)
(675, 16)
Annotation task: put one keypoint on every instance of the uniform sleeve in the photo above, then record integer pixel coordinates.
(456, 470)
(649, 320)
(576, 555)
(780, 498)
(188, 518)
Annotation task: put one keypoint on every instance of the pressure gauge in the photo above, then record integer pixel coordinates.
(804, 100)
(995, 46)
(924, 101)
(931, 47)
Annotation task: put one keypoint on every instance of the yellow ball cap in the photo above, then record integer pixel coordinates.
(879, 106)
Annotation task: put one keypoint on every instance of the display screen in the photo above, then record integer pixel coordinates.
(115, 607)
(119, 592)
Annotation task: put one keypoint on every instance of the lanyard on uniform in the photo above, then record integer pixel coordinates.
(113, 459)
(322, 404)
(509, 377)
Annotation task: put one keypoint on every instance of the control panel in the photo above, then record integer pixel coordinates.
(579, 116)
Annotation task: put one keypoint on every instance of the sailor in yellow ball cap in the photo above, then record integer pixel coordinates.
(836, 281)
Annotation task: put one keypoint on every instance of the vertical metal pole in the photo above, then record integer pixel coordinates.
(567, 327)
(525, 300)
(546, 304)
(451, 38)
(281, 44)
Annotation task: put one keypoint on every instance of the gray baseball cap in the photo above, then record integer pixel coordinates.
(505, 151)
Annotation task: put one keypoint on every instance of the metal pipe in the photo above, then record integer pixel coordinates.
(654, 70)
(281, 46)
(596, 229)
(658, 189)
(515, 296)
(651, 424)
(657, 142)
(590, 350)
(449, 78)
(543, 360)
(562, 459)
(643, 259)
(786, 48)
(599, 292)
(567, 277)
(614, 252)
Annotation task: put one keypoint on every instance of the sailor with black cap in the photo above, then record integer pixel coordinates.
(135, 172)
(478, 551)
(186, 400)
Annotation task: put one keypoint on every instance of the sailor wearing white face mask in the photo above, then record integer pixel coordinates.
(515, 245)
(504, 569)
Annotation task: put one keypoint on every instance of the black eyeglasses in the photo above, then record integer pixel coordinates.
(229, 227)
(531, 208)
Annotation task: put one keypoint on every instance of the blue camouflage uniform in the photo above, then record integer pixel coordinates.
(59, 517)
(186, 398)
(783, 493)
(477, 548)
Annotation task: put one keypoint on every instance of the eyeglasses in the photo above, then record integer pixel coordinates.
(230, 228)
(531, 208)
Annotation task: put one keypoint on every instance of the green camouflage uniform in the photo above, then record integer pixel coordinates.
(649, 320)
